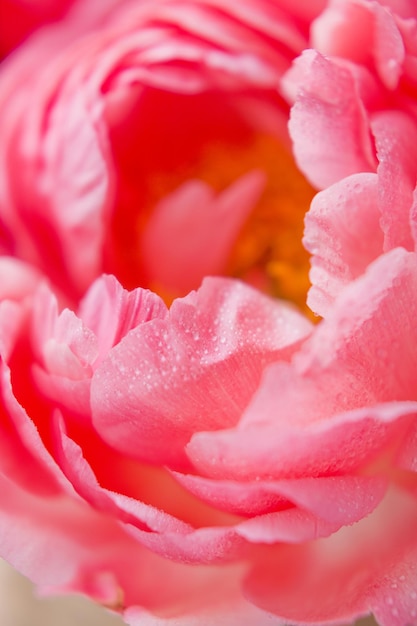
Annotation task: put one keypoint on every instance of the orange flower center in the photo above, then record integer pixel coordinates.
(167, 139)
(268, 251)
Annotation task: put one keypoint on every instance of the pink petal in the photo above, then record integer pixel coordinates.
(324, 506)
(205, 546)
(235, 611)
(78, 550)
(323, 413)
(389, 52)
(328, 122)
(373, 313)
(12, 319)
(245, 499)
(338, 579)
(345, 443)
(69, 348)
(342, 232)
(80, 474)
(289, 526)
(396, 143)
(362, 32)
(214, 597)
(338, 499)
(17, 279)
(342, 30)
(24, 459)
(18, 282)
(191, 232)
(169, 378)
(69, 394)
(64, 344)
(111, 311)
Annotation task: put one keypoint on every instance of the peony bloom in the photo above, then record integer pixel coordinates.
(222, 446)
(186, 449)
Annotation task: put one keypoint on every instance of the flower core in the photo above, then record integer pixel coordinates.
(216, 146)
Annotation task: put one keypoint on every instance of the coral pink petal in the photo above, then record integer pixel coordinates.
(77, 183)
(24, 458)
(17, 279)
(328, 122)
(413, 219)
(233, 612)
(203, 546)
(289, 526)
(82, 551)
(65, 346)
(111, 312)
(346, 443)
(12, 318)
(70, 347)
(389, 51)
(325, 505)
(69, 171)
(191, 232)
(235, 25)
(337, 499)
(360, 569)
(270, 19)
(342, 30)
(214, 597)
(394, 600)
(347, 351)
(153, 528)
(346, 213)
(371, 311)
(66, 533)
(396, 142)
(171, 377)
(72, 395)
(22, 18)
(363, 32)
(245, 499)
(80, 474)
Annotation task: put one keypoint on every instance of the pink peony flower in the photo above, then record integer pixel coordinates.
(208, 455)
(222, 446)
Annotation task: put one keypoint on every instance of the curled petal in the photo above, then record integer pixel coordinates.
(206, 224)
(396, 138)
(364, 32)
(344, 397)
(171, 377)
(346, 576)
(342, 232)
(339, 500)
(328, 106)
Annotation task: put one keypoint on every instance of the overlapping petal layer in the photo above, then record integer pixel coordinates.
(210, 456)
